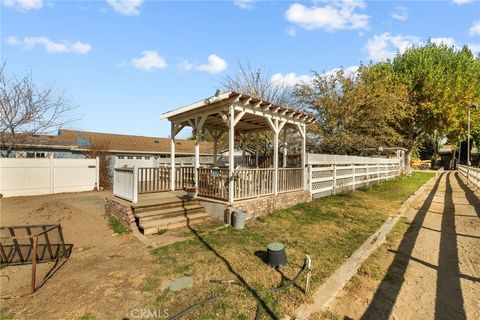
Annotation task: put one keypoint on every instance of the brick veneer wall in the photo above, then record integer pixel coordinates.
(263, 206)
(120, 209)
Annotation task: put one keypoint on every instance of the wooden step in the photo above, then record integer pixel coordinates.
(153, 205)
(170, 212)
(152, 227)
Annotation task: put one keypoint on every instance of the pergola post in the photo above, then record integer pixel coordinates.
(275, 158)
(303, 132)
(244, 151)
(216, 135)
(231, 155)
(304, 145)
(197, 128)
(285, 144)
(172, 156)
(257, 148)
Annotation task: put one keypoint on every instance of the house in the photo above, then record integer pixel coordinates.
(122, 150)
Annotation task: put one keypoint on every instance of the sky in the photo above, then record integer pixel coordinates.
(125, 62)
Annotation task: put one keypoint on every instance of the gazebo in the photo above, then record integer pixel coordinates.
(153, 198)
(238, 114)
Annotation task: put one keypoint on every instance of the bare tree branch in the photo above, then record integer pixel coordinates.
(25, 109)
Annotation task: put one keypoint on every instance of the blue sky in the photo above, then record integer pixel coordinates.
(124, 62)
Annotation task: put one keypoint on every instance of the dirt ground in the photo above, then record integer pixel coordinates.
(432, 268)
(102, 280)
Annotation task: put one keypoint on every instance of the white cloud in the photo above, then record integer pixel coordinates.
(475, 28)
(290, 79)
(185, 65)
(23, 5)
(386, 45)
(447, 41)
(148, 61)
(461, 1)
(349, 71)
(335, 15)
(126, 7)
(28, 43)
(400, 13)
(244, 4)
(215, 65)
(475, 48)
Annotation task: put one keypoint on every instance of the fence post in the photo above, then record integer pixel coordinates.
(367, 170)
(310, 178)
(97, 173)
(52, 176)
(378, 173)
(334, 178)
(114, 181)
(135, 184)
(353, 176)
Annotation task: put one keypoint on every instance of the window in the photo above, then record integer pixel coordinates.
(139, 158)
(121, 157)
(147, 158)
(129, 157)
(36, 155)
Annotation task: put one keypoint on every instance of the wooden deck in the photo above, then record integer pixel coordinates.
(160, 197)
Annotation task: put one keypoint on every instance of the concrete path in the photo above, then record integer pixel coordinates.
(435, 272)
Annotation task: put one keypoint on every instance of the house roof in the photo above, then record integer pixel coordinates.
(83, 140)
(255, 113)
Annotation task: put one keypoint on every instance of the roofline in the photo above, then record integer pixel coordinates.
(194, 105)
(224, 96)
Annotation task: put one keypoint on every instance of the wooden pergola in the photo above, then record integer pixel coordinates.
(241, 114)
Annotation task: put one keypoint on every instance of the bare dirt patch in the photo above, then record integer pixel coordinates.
(105, 274)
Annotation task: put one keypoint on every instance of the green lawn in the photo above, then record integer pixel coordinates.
(328, 229)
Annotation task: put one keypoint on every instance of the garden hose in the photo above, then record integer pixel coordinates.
(307, 265)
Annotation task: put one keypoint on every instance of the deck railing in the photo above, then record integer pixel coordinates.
(472, 174)
(158, 179)
(153, 179)
(125, 184)
(213, 183)
(250, 183)
(290, 179)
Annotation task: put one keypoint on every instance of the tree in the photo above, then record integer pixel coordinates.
(100, 148)
(26, 109)
(259, 83)
(441, 83)
(355, 112)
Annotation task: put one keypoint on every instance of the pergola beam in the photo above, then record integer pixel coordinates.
(244, 113)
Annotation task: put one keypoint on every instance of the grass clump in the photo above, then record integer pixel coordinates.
(116, 225)
(5, 313)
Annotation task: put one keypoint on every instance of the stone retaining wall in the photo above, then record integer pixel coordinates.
(120, 209)
(262, 206)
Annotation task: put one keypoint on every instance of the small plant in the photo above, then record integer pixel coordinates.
(86, 316)
(5, 314)
(116, 225)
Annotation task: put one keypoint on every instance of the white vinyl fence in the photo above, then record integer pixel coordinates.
(472, 174)
(25, 177)
(330, 174)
